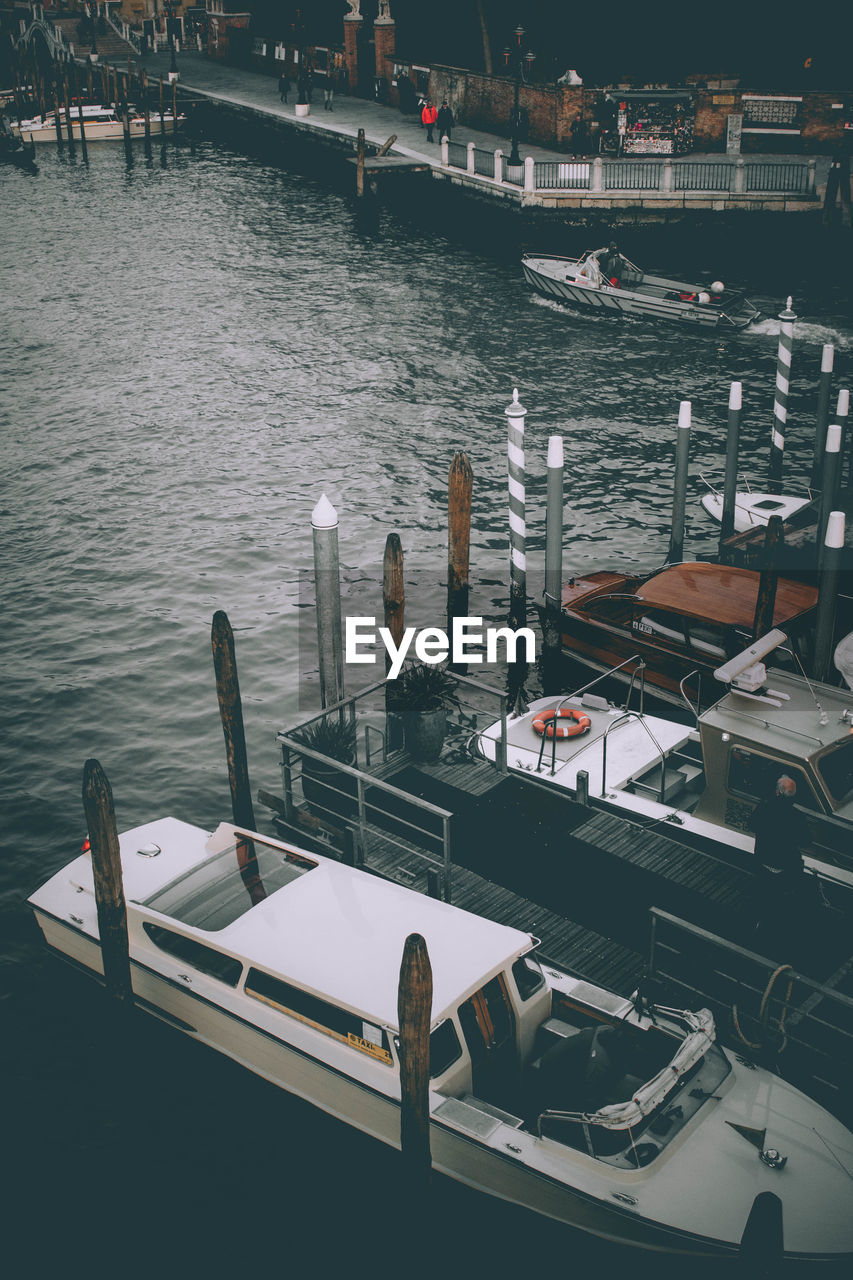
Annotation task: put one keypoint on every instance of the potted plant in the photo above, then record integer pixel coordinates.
(325, 787)
(420, 695)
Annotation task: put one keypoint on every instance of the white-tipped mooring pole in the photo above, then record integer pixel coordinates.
(780, 400)
(833, 546)
(727, 525)
(679, 498)
(827, 360)
(554, 525)
(516, 414)
(842, 409)
(327, 580)
(829, 484)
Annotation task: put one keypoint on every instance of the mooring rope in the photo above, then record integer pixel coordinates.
(763, 1016)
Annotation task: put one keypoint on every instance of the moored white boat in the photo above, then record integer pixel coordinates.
(630, 1122)
(752, 510)
(99, 123)
(704, 783)
(579, 281)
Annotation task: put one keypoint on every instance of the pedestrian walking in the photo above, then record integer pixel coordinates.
(429, 115)
(444, 121)
(283, 87)
(580, 137)
(329, 92)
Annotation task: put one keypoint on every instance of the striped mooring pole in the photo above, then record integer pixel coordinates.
(516, 414)
(780, 402)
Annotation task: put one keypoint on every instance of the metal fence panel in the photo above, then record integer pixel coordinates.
(484, 162)
(793, 177)
(551, 175)
(457, 155)
(702, 175)
(513, 173)
(633, 175)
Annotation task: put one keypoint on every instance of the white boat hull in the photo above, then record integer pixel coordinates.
(97, 132)
(752, 510)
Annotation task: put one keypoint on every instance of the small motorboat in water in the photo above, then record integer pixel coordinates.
(624, 1119)
(99, 123)
(753, 510)
(581, 281)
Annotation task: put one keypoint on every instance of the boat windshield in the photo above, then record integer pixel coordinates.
(836, 771)
(229, 884)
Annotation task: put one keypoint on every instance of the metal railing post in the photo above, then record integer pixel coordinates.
(287, 782)
(445, 836)
(501, 754)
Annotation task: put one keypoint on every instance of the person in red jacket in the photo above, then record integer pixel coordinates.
(429, 115)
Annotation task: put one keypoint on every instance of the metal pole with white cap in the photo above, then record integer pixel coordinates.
(679, 501)
(780, 401)
(824, 387)
(327, 579)
(828, 594)
(516, 414)
(553, 563)
(727, 526)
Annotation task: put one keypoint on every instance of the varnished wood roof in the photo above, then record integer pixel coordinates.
(722, 594)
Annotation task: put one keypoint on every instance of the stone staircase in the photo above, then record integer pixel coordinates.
(111, 47)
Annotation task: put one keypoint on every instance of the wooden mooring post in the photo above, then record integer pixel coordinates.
(146, 107)
(765, 604)
(827, 600)
(106, 871)
(327, 580)
(394, 609)
(460, 484)
(824, 389)
(679, 497)
(67, 96)
(57, 116)
(551, 631)
(174, 108)
(780, 401)
(830, 479)
(727, 522)
(359, 164)
(231, 714)
(414, 1012)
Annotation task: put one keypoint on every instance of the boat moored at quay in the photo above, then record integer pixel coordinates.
(100, 123)
(626, 1120)
(701, 784)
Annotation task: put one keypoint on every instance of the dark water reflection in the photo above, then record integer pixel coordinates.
(194, 351)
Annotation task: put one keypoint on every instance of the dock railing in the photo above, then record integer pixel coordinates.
(357, 796)
(765, 1011)
(660, 174)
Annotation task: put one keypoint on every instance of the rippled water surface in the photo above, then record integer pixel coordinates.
(193, 350)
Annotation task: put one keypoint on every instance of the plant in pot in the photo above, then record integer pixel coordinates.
(325, 787)
(420, 695)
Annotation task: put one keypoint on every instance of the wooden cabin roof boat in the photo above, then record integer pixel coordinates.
(579, 281)
(704, 783)
(99, 122)
(683, 621)
(592, 1109)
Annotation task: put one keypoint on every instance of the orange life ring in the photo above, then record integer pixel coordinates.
(546, 723)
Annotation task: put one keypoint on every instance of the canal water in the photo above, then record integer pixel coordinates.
(194, 349)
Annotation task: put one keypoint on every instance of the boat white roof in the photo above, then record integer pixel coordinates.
(339, 933)
(796, 724)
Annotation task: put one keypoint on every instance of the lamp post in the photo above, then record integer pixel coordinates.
(515, 60)
(169, 6)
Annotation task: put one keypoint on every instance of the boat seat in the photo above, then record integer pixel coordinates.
(574, 1074)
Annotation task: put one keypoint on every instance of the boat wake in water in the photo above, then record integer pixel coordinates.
(804, 331)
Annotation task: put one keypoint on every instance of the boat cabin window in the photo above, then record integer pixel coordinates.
(836, 771)
(206, 959)
(687, 633)
(755, 776)
(529, 977)
(444, 1048)
(339, 1023)
(229, 884)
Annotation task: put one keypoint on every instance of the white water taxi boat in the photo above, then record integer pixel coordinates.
(99, 123)
(703, 784)
(627, 1121)
(581, 282)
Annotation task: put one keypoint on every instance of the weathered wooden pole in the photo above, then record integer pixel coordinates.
(90, 88)
(57, 117)
(146, 107)
(727, 523)
(327, 579)
(551, 634)
(780, 401)
(829, 483)
(106, 870)
(231, 714)
(82, 131)
(516, 414)
(824, 387)
(174, 107)
(67, 97)
(679, 498)
(394, 608)
(125, 124)
(414, 1012)
(460, 484)
(827, 600)
(359, 164)
(765, 604)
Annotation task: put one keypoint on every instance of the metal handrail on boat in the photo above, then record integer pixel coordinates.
(578, 693)
(633, 715)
